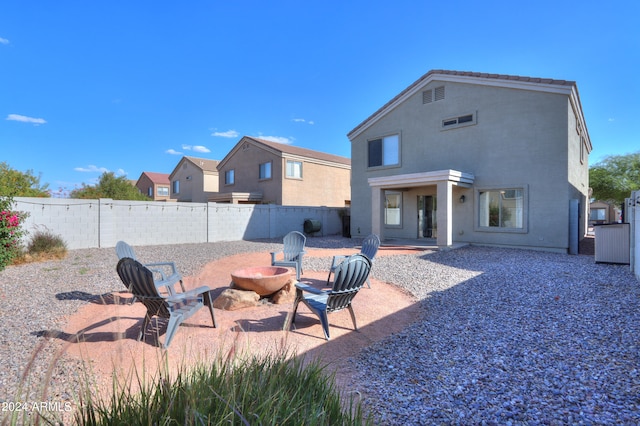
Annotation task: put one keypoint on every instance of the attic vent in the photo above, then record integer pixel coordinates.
(427, 96)
(433, 95)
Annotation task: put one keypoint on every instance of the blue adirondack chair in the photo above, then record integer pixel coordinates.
(291, 254)
(369, 248)
(177, 307)
(349, 277)
(164, 272)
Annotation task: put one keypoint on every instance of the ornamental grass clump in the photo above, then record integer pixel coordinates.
(257, 391)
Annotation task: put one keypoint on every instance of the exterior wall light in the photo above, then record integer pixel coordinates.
(462, 198)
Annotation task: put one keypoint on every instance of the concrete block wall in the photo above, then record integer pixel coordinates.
(76, 220)
(103, 222)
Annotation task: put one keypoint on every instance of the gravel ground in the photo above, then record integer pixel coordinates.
(508, 336)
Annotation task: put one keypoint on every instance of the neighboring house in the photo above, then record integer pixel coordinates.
(154, 185)
(194, 179)
(602, 212)
(261, 171)
(475, 158)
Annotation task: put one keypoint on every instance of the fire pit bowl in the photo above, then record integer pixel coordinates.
(264, 280)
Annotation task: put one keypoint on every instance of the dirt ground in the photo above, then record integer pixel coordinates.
(107, 330)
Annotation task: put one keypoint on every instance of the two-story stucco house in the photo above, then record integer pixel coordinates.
(154, 185)
(261, 171)
(194, 179)
(465, 157)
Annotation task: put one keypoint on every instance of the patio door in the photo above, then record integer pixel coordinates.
(427, 225)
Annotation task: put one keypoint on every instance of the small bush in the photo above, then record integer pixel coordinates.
(45, 241)
(44, 245)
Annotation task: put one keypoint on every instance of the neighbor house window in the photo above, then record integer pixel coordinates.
(163, 191)
(230, 177)
(176, 186)
(384, 151)
(294, 169)
(597, 214)
(265, 170)
(502, 208)
(392, 208)
(150, 191)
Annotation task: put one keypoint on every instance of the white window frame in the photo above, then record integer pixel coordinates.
(162, 191)
(291, 171)
(507, 204)
(389, 152)
(393, 209)
(461, 120)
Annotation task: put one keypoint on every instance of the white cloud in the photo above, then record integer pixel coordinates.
(302, 120)
(4, 41)
(611, 120)
(121, 172)
(227, 134)
(200, 148)
(173, 152)
(196, 148)
(91, 169)
(278, 139)
(25, 119)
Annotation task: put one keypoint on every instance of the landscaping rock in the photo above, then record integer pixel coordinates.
(232, 299)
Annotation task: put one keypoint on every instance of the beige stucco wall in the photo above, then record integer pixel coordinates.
(322, 184)
(195, 184)
(520, 139)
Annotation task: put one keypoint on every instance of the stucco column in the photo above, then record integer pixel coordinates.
(444, 213)
(376, 212)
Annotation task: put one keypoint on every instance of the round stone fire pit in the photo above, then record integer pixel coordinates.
(264, 280)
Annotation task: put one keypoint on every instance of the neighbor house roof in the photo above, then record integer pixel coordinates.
(203, 164)
(157, 178)
(285, 150)
(501, 80)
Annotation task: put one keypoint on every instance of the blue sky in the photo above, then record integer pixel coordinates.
(132, 86)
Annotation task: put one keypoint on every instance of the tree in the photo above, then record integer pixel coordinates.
(615, 177)
(110, 186)
(14, 183)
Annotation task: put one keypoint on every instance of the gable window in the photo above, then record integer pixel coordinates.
(393, 208)
(265, 170)
(459, 121)
(176, 186)
(163, 191)
(294, 169)
(502, 209)
(384, 151)
(230, 177)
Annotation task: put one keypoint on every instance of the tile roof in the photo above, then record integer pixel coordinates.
(158, 177)
(302, 152)
(204, 163)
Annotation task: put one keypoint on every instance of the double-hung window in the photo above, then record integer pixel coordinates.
(163, 191)
(176, 186)
(265, 170)
(294, 169)
(502, 209)
(384, 151)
